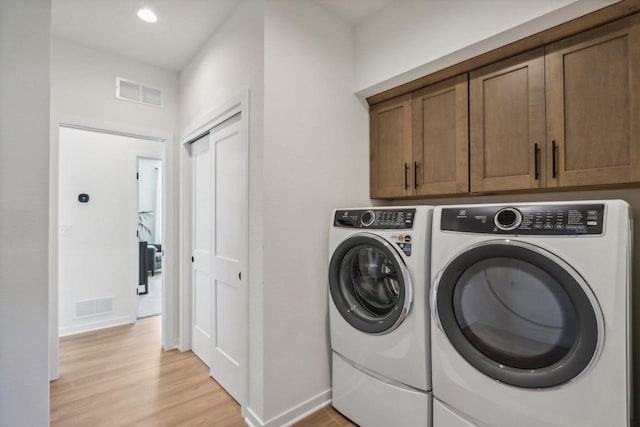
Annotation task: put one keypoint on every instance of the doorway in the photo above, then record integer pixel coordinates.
(149, 231)
(98, 245)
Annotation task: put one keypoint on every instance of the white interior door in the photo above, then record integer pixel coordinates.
(229, 247)
(201, 278)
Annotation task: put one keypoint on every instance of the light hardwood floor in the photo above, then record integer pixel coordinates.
(121, 377)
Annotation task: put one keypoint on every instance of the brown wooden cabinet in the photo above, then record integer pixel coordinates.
(507, 124)
(441, 138)
(566, 115)
(419, 142)
(593, 106)
(390, 150)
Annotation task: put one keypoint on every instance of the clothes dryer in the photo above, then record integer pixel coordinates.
(379, 315)
(531, 314)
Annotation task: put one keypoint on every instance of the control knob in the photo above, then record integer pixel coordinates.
(508, 219)
(367, 218)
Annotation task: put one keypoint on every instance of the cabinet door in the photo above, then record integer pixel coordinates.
(593, 106)
(441, 138)
(391, 148)
(507, 119)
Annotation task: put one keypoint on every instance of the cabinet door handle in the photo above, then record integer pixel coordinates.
(554, 174)
(406, 179)
(415, 175)
(536, 166)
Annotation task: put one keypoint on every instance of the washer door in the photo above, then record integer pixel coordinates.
(518, 313)
(369, 284)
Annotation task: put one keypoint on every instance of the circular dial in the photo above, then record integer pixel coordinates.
(508, 219)
(367, 218)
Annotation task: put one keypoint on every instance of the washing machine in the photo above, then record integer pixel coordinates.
(379, 315)
(531, 314)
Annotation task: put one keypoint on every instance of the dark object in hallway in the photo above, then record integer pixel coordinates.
(142, 268)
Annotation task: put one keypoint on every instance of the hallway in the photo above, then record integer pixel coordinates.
(120, 377)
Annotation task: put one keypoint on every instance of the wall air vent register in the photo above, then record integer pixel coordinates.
(129, 90)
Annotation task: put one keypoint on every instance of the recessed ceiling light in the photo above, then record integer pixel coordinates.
(147, 15)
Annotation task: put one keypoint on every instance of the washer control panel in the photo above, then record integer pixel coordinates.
(539, 220)
(390, 219)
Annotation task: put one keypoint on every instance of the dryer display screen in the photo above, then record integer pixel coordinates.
(539, 220)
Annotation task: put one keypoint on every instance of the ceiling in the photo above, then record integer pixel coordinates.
(353, 11)
(182, 29)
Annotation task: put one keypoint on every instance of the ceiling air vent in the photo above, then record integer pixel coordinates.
(129, 90)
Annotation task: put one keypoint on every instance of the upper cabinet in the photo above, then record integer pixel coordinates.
(593, 106)
(566, 115)
(441, 138)
(419, 142)
(508, 124)
(390, 150)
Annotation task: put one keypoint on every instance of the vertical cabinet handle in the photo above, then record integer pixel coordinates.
(554, 174)
(415, 175)
(406, 178)
(536, 165)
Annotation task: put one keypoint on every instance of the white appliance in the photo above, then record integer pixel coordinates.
(531, 314)
(379, 315)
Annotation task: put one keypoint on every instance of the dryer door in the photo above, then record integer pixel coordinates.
(369, 283)
(518, 313)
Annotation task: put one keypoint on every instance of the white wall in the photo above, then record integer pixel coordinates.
(83, 86)
(316, 155)
(410, 39)
(311, 163)
(25, 28)
(230, 61)
(83, 93)
(98, 253)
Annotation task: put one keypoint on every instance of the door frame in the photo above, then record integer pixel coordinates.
(148, 157)
(170, 307)
(238, 104)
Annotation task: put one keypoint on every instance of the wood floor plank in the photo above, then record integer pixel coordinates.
(122, 377)
(326, 417)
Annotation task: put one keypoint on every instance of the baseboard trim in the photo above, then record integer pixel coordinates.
(292, 415)
(173, 345)
(95, 326)
(251, 419)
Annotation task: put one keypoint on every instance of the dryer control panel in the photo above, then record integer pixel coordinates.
(538, 220)
(388, 219)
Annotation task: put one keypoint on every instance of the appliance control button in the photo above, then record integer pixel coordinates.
(367, 218)
(508, 219)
